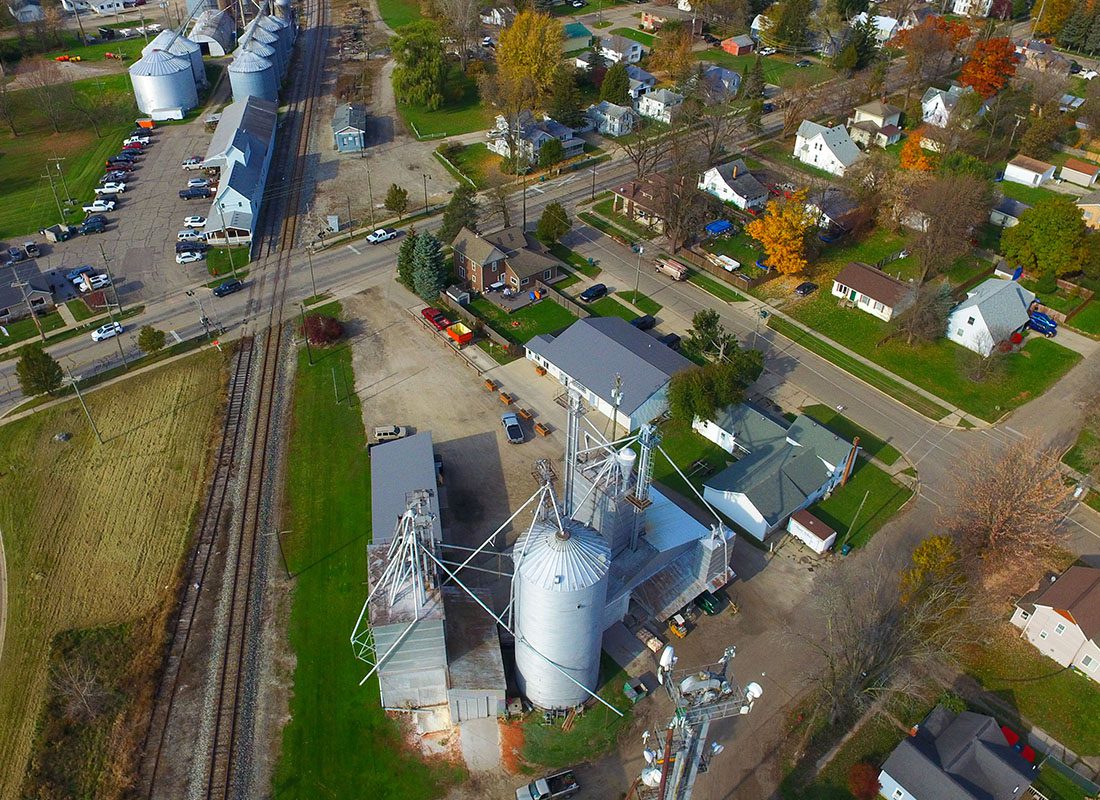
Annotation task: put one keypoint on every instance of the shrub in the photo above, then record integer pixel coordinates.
(863, 781)
(321, 329)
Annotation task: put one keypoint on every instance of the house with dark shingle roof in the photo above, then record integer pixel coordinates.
(733, 183)
(1061, 618)
(872, 290)
(782, 469)
(875, 123)
(38, 294)
(951, 756)
(510, 257)
(1007, 212)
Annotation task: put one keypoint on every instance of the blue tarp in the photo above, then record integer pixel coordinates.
(719, 227)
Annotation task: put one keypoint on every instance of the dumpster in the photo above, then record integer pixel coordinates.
(460, 333)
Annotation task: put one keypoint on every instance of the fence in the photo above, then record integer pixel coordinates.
(553, 294)
(738, 280)
(479, 325)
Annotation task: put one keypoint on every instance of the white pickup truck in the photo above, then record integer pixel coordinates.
(552, 787)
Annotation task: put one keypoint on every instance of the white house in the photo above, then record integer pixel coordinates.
(811, 531)
(1061, 618)
(98, 6)
(830, 149)
(662, 105)
(938, 105)
(1028, 171)
(590, 350)
(733, 183)
(26, 12)
(500, 16)
(1007, 212)
(972, 8)
(871, 290)
(1079, 172)
(834, 209)
(886, 28)
(992, 311)
(610, 119)
(781, 470)
(641, 82)
(618, 48)
(531, 134)
(875, 123)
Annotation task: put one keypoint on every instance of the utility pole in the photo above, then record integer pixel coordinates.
(859, 510)
(593, 197)
(49, 176)
(525, 197)
(79, 23)
(638, 277)
(312, 277)
(111, 278)
(202, 314)
(22, 286)
(305, 334)
(370, 194)
(91, 422)
(57, 162)
(225, 231)
(425, 176)
(348, 196)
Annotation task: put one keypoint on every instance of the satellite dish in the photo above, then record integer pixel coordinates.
(668, 657)
(651, 777)
(754, 690)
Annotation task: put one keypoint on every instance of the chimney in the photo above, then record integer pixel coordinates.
(735, 170)
(850, 462)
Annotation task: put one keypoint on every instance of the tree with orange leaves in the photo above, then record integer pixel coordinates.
(913, 156)
(991, 64)
(930, 49)
(783, 231)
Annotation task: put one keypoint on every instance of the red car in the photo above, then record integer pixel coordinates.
(435, 316)
(134, 146)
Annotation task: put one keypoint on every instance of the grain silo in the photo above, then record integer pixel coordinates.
(264, 51)
(279, 29)
(252, 75)
(164, 85)
(179, 45)
(256, 33)
(560, 587)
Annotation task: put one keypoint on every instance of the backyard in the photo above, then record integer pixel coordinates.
(863, 505)
(1065, 301)
(605, 208)
(778, 70)
(521, 326)
(396, 13)
(1087, 320)
(641, 37)
(461, 113)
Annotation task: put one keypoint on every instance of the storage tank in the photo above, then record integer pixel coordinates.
(264, 51)
(252, 75)
(560, 593)
(257, 34)
(163, 82)
(284, 12)
(179, 45)
(278, 29)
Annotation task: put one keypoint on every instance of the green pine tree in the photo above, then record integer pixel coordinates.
(461, 212)
(553, 224)
(753, 85)
(565, 97)
(754, 116)
(37, 371)
(405, 259)
(616, 85)
(429, 269)
(1075, 32)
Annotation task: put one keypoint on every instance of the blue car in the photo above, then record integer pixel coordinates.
(1042, 323)
(73, 275)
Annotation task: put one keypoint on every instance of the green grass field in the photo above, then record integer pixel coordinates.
(339, 742)
(462, 113)
(1083, 455)
(575, 260)
(608, 307)
(717, 288)
(131, 48)
(1087, 320)
(778, 70)
(686, 447)
(1025, 194)
(844, 427)
(478, 163)
(646, 304)
(546, 316)
(842, 512)
(641, 37)
(1059, 300)
(23, 330)
(637, 231)
(219, 260)
(396, 13)
(1056, 786)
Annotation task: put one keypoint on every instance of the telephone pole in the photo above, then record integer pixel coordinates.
(370, 194)
(49, 176)
(312, 278)
(57, 163)
(225, 230)
(76, 387)
(22, 286)
(111, 278)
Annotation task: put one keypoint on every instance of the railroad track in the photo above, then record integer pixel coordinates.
(226, 768)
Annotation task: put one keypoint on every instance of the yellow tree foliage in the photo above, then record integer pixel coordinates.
(1051, 15)
(529, 52)
(936, 563)
(913, 156)
(782, 231)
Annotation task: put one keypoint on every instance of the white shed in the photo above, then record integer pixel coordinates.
(811, 531)
(1028, 171)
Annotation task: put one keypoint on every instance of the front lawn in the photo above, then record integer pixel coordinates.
(845, 428)
(24, 329)
(1087, 320)
(222, 261)
(642, 38)
(1084, 456)
(859, 508)
(1061, 702)
(606, 209)
(462, 113)
(778, 70)
(719, 289)
(575, 260)
(545, 316)
(647, 305)
(608, 307)
(1025, 194)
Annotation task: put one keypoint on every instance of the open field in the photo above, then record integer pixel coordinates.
(396, 13)
(463, 111)
(95, 534)
(778, 70)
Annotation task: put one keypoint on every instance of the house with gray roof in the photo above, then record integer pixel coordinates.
(662, 105)
(592, 353)
(610, 119)
(781, 469)
(641, 82)
(719, 84)
(349, 128)
(992, 311)
(829, 149)
(26, 12)
(12, 304)
(530, 134)
(733, 183)
(1061, 619)
(1007, 212)
(956, 756)
(617, 48)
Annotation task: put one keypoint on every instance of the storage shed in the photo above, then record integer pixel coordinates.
(811, 531)
(349, 128)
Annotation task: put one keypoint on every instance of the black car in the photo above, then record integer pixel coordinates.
(803, 62)
(95, 219)
(116, 176)
(87, 228)
(644, 323)
(195, 193)
(15, 255)
(805, 289)
(228, 287)
(124, 157)
(192, 247)
(594, 292)
(1074, 67)
(670, 340)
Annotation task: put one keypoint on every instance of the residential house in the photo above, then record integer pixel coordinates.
(875, 123)
(939, 105)
(972, 8)
(721, 84)
(662, 105)
(1007, 212)
(509, 257)
(739, 45)
(915, 17)
(1090, 209)
(811, 531)
(575, 37)
(618, 48)
(654, 20)
(886, 28)
(1040, 56)
(26, 12)
(834, 209)
(782, 469)
(1079, 172)
(531, 134)
(641, 82)
(956, 756)
(990, 314)
(499, 16)
(12, 304)
(1028, 171)
(645, 200)
(1061, 618)
(591, 351)
(349, 128)
(733, 183)
(830, 149)
(872, 290)
(610, 119)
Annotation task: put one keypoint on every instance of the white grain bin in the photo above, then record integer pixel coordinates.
(560, 593)
(251, 75)
(264, 51)
(277, 28)
(284, 12)
(164, 85)
(255, 33)
(179, 45)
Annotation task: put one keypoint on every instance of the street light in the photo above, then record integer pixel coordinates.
(638, 278)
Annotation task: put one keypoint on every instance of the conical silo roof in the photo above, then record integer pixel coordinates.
(160, 62)
(247, 61)
(168, 40)
(565, 560)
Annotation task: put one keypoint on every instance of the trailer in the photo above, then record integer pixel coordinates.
(460, 334)
(58, 233)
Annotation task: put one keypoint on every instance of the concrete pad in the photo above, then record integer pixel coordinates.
(480, 743)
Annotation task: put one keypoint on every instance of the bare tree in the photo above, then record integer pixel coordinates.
(681, 205)
(1004, 111)
(83, 696)
(46, 85)
(496, 205)
(925, 318)
(797, 101)
(7, 112)
(463, 23)
(647, 147)
(951, 206)
(1009, 507)
(1045, 88)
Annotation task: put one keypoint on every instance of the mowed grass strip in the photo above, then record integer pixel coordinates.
(720, 290)
(863, 505)
(647, 304)
(339, 742)
(95, 534)
(844, 427)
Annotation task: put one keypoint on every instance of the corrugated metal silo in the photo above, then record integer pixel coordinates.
(278, 29)
(284, 12)
(251, 75)
(264, 51)
(163, 81)
(256, 33)
(179, 45)
(560, 593)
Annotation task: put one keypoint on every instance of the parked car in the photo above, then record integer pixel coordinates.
(15, 255)
(487, 42)
(382, 235)
(512, 429)
(189, 257)
(805, 289)
(133, 147)
(768, 108)
(389, 433)
(188, 235)
(110, 188)
(95, 219)
(31, 249)
(768, 51)
(192, 247)
(114, 176)
(99, 205)
(198, 183)
(108, 331)
(141, 139)
(194, 162)
(1074, 68)
(228, 287)
(126, 155)
(644, 323)
(119, 166)
(577, 4)
(94, 283)
(1043, 323)
(803, 62)
(709, 603)
(436, 317)
(594, 292)
(73, 275)
(670, 340)
(558, 786)
(1089, 74)
(195, 193)
(87, 228)
(194, 222)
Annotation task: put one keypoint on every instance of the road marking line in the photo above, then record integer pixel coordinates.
(352, 249)
(176, 336)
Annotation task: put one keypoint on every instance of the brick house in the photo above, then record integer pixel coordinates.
(509, 257)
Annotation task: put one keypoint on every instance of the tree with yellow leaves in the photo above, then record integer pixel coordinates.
(913, 156)
(529, 52)
(935, 562)
(783, 232)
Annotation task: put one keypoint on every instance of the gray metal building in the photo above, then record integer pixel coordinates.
(349, 128)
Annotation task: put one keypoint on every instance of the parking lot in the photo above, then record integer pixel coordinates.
(141, 232)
